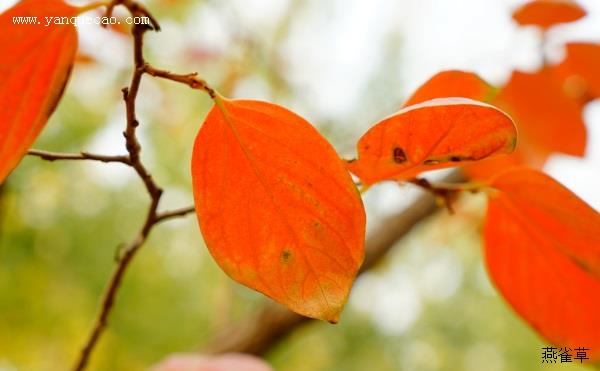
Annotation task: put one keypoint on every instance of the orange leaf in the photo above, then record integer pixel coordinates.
(573, 226)
(548, 13)
(489, 168)
(452, 83)
(35, 66)
(432, 135)
(277, 208)
(580, 69)
(542, 246)
(548, 120)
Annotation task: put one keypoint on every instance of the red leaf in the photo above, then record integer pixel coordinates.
(432, 135)
(452, 83)
(547, 119)
(277, 208)
(35, 66)
(548, 13)
(542, 246)
(580, 69)
(489, 168)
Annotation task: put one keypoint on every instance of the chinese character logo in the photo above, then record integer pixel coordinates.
(549, 355)
(565, 355)
(581, 354)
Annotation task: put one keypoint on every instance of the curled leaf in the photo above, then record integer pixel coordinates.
(452, 83)
(276, 206)
(431, 135)
(542, 246)
(35, 66)
(548, 13)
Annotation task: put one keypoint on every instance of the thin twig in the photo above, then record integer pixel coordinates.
(134, 149)
(134, 160)
(190, 79)
(56, 156)
(166, 215)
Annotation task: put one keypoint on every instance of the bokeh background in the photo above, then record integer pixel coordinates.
(342, 64)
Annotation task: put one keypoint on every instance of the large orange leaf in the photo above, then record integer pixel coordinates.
(580, 70)
(276, 206)
(548, 13)
(431, 135)
(34, 67)
(452, 83)
(549, 121)
(542, 246)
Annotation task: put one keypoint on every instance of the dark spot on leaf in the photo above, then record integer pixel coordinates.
(286, 256)
(462, 158)
(399, 155)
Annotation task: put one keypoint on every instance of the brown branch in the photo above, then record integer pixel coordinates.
(190, 79)
(155, 192)
(134, 149)
(166, 215)
(134, 160)
(272, 323)
(108, 298)
(56, 156)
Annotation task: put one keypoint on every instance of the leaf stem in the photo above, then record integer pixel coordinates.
(446, 193)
